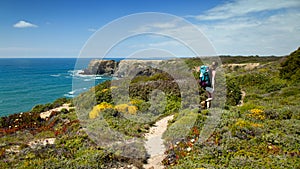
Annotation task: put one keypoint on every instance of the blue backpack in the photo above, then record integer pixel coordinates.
(204, 76)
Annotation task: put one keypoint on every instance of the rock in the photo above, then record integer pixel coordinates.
(131, 68)
(101, 67)
(41, 142)
(123, 68)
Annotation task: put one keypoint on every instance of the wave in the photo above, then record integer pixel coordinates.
(78, 74)
(75, 92)
(69, 95)
(71, 92)
(56, 75)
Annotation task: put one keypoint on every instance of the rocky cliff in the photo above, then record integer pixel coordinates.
(128, 68)
(122, 68)
(101, 67)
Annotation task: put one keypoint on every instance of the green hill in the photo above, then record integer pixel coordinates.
(261, 131)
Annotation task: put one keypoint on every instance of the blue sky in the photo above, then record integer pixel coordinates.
(35, 28)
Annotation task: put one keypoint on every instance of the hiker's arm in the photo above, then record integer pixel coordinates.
(213, 73)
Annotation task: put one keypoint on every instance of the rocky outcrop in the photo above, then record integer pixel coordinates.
(122, 68)
(101, 67)
(127, 68)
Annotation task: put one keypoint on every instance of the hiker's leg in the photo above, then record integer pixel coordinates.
(209, 99)
(208, 104)
(209, 96)
(209, 92)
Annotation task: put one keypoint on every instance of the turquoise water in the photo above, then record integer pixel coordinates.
(25, 83)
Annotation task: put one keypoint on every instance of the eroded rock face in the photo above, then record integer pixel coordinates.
(101, 67)
(122, 68)
(137, 67)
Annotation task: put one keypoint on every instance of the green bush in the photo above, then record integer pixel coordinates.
(290, 67)
(234, 94)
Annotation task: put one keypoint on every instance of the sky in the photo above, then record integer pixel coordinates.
(62, 28)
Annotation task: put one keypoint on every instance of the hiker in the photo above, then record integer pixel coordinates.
(207, 81)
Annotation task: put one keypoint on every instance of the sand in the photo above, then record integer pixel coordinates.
(154, 144)
(47, 114)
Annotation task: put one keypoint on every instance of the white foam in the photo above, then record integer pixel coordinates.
(57, 75)
(73, 93)
(68, 95)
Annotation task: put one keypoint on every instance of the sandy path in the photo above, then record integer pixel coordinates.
(47, 114)
(154, 143)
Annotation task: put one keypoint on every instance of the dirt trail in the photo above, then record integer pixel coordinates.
(154, 144)
(47, 114)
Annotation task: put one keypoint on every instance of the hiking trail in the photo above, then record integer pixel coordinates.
(154, 143)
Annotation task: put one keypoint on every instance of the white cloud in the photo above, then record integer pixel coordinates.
(250, 27)
(271, 33)
(24, 24)
(163, 25)
(238, 8)
(274, 35)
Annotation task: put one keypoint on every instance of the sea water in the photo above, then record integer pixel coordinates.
(25, 83)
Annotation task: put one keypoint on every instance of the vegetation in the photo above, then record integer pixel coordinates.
(263, 132)
(290, 67)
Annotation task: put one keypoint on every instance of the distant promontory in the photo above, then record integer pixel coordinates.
(121, 68)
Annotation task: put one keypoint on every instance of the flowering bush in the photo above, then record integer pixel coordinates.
(125, 108)
(257, 114)
(98, 108)
(121, 107)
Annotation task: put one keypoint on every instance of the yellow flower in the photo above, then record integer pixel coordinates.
(98, 108)
(125, 108)
(104, 90)
(256, 114)
(132, 109)
(241, 123)
(113, 87)
(256, 125)
(121, 108)
(135, 101)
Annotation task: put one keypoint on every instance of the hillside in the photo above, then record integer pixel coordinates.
(106, 129)
(261, 133)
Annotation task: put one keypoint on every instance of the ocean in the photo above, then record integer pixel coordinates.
(25, 83)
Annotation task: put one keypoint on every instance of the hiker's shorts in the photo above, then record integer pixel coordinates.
(209, 89)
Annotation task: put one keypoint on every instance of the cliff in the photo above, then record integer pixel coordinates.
(122, 68)
(101, 67)
(137, 67)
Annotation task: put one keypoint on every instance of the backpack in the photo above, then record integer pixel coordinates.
(204, 76)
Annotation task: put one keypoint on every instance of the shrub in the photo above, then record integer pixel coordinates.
(64, 111)
(98, 108)
(257, 114)
(122, 108)
(234, 94)
(244, 129)
(59, 102)
(103, 92)
(290, 67)
(125, 108)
